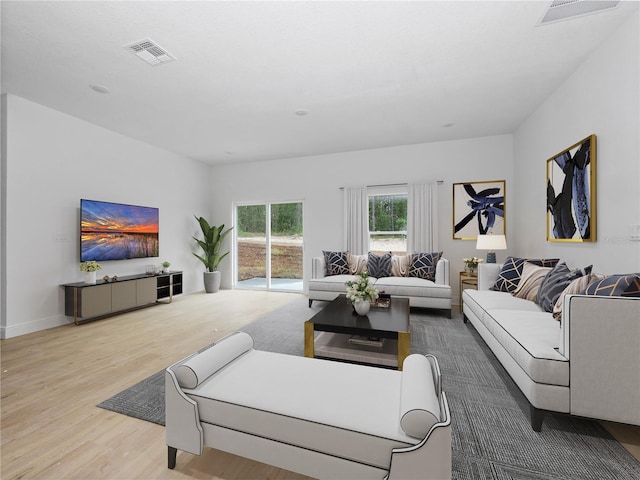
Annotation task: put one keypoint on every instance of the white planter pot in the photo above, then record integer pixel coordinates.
(212, 281)
(90, 278)
(362, 307)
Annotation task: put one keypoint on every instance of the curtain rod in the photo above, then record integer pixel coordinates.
(439, 182)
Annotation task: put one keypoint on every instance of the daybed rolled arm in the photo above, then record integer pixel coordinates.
(183, 429)
(435, 448)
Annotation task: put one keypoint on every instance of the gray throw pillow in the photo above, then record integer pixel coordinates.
(555, 282)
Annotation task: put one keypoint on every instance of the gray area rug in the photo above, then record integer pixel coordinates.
(492, 437)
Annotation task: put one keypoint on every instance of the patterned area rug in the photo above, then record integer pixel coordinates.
(492, 437)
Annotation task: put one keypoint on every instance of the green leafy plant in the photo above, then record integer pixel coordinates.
(91, 266)
(211, 243)
(166, 264)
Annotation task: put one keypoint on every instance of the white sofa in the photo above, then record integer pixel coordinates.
(316, 417)
(587, 364)
(420, 292)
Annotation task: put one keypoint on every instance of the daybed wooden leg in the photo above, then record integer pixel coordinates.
(537, 417)
(310, 302)
(172, 457)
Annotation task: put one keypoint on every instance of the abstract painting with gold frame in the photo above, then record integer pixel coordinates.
(571, 193)
(478, 208)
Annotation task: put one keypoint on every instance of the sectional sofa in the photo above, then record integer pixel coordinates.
(426, 285)
(584, 361)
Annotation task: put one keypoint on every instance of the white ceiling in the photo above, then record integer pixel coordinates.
(370, 74)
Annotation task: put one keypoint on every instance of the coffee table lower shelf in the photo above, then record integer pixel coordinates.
(336, 346)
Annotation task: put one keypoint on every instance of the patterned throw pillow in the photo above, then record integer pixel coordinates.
(511, 271)
(555, 282)
(616, 286)
(530, 281)
(357, 264)
(400, 265)
(423, 265)
(578, 286)
(379, 266)
(337, 263)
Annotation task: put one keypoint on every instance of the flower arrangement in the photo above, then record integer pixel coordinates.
(471, 263)
(91, 266)
(361, 289)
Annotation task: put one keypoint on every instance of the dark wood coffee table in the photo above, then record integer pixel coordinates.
(338, 323)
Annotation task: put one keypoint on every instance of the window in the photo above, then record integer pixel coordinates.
(388, 221)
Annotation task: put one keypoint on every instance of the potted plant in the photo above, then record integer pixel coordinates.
(90, 268)
(211, 256)
(361, 292)
(165, 266)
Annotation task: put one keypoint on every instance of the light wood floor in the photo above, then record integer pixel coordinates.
(52, 380)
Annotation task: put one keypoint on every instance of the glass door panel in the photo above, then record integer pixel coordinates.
(251, 248)
(286, 246)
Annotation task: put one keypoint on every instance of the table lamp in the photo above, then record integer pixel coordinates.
(491, 243)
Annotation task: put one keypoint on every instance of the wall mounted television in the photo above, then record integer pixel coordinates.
(115, 231)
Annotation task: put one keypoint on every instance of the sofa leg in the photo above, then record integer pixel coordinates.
(172, 457)
(449, 313)
(310, 302)
(464, 318)
(537, 417)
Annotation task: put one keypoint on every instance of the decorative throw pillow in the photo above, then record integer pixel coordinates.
(530, 281)
(616, 286)
(423, 265)
(511, 271)
(337, 263)
(400, 265)
(379, 266)
(578, 286)
(555, 282)
(357, 264)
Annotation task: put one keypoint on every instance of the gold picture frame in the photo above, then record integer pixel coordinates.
(479, 208)
(571, 193)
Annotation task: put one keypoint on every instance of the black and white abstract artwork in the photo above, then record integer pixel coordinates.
(571, 193)
(478, 209)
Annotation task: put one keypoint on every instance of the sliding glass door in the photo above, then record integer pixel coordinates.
(269, 246)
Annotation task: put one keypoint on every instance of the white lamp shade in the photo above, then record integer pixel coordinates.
(491, 242)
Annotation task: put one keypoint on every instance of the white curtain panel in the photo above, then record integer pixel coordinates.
(356, 220)
(422, 218)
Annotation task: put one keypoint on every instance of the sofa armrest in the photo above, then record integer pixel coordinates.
(488, 274)
(442, 272)
(318, 267)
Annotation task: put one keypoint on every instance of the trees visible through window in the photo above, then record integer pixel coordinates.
(388, 223)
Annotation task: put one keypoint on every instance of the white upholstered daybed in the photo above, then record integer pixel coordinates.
(320, 418)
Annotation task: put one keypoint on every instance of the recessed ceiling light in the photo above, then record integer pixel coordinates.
(301, 112)
(99, 88)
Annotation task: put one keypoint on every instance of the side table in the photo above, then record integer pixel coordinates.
(469, 280)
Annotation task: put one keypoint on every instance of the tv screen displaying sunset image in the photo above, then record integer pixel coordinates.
(115, 231)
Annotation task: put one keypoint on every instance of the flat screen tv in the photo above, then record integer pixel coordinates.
(114, 231)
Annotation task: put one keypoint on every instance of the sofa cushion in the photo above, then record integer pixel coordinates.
(577, 286)
(511, 271)
(337, 263)
(530, 281)
(379, 265)
(400, 265)
(531, 338)
(423, 265)
(616, 286)
(202, 365)
(480, 300)
(412, 287)
(555, 282)
(332, 283)
(357, 264)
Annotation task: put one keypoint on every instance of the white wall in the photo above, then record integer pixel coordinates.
(52, 161)
(317, 180)
(600, 98)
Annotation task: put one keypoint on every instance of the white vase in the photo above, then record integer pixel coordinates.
(362, 307)
(90, 278)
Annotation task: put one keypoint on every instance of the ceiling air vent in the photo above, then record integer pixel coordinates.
(150, 52)
(565, 9)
